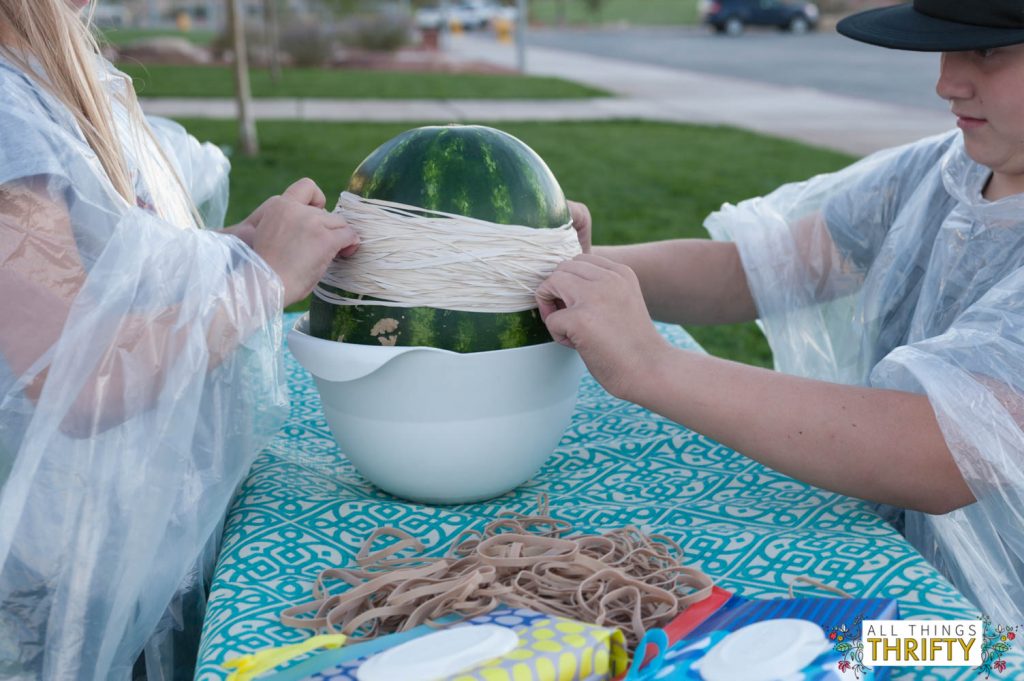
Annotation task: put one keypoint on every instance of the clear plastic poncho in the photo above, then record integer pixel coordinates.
(139, 376)
(896, 273)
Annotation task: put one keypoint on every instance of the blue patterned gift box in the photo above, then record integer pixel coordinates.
(679, 660)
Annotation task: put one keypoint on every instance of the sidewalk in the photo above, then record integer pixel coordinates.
(643, 91)
(850, 124)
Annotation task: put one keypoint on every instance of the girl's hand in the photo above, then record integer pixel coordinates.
(581, 223)
(299, 239)
(244, 230)
(595, 306)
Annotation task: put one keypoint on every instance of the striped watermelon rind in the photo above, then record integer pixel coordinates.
(469, 170)
(426, 326)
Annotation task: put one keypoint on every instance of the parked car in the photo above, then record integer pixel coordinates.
(469, 14)
(731, 16)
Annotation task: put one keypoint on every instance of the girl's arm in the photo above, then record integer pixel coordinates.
(42, 276)
(244, 230)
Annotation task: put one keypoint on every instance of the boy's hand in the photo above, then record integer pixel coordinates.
(595, 306)
(581, 223)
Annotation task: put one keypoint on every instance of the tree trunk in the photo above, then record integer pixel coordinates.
(243, 94)
(273, 28)
(152, 14)
(522, 14)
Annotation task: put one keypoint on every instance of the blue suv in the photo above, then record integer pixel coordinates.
(731, 16)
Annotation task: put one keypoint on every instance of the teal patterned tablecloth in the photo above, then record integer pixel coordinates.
(303, 508)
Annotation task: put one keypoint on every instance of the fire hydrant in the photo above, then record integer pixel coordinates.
(503, 29)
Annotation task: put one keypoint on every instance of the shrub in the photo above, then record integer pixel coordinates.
(380, 32)
(307, 44)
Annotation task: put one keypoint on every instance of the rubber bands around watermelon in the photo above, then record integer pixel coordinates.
(410, 256)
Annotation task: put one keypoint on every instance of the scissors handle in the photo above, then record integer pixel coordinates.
(645, 666)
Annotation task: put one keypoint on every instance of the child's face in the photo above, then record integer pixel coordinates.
(985, 89)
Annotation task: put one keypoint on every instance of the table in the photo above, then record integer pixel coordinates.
(304, 508)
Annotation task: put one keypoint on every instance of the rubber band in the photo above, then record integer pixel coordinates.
(413, 257)
(811, 581)
(622, 579)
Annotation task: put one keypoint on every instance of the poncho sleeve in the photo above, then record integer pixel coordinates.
(140, 374)
(850, 271)
(807, 247)
(202, 166)
(973, 376)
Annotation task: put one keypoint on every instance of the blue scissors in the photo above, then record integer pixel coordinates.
(638, 671)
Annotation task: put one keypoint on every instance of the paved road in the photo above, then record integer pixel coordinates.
(824, 60)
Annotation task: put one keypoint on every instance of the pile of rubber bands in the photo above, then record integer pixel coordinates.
(622, 579)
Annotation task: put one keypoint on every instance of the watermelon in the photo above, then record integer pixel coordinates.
(469, 170)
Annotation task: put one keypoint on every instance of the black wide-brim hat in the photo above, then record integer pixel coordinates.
(939, 25)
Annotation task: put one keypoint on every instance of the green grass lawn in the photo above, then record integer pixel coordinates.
(218, 81)
(637, 12)
(124, 36)
(643, 181)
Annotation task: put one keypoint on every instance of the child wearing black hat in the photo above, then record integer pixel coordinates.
(892, 294)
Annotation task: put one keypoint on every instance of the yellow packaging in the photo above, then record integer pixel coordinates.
(551, 649)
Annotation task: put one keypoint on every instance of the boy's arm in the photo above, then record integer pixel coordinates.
(875, 444)
(689, 281)
(702, 282)
(881, 445)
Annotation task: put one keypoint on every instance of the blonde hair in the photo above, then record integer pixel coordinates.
(54, 34)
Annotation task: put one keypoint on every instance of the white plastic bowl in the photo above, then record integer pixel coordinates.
(442, 427)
